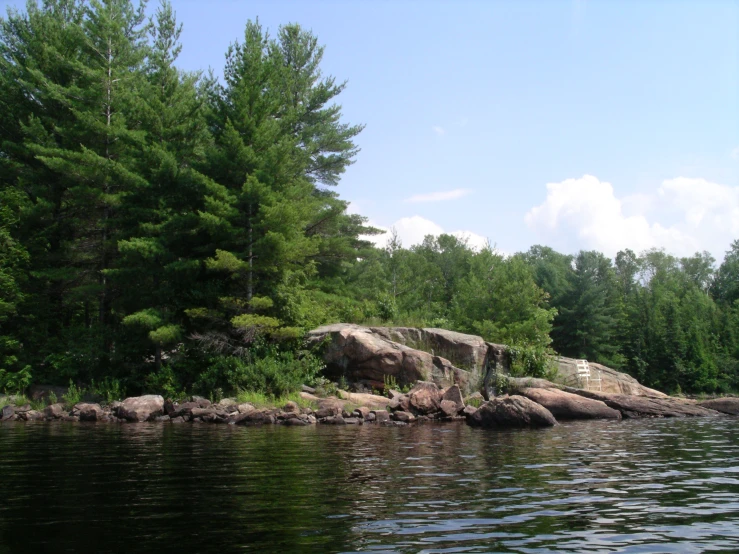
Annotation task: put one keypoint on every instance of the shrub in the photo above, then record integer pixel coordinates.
(15, 382)
(109, 388)
(274, 375)
(73, 395)
(531, 361)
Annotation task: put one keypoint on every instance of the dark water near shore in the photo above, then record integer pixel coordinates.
(634, 486)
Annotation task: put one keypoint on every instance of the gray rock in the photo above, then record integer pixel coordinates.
(185, 410)
(454, 394)
(89, 412)
(333, 420)
(643, 406)
(296, 421)
(33, 415)
(449, 408)
(255, 417)
(7, 413)
(371, 354)
(381, 416)
(728, 406)
(405, 417)
(55, 411)
(425, 398)
(201, 402)
(468, 411)
(328, 411)
(141, 408)
(564, 405)
(511, 411)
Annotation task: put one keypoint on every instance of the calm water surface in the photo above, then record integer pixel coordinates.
(634, 486)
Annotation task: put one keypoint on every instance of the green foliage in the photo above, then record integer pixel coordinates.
(475, 402)
(165, 382)
(261, 400)
(324, 387)
(15, 382)
(531, 361)
(169, 231)
(390, 383)
(109, 388)
(73, 395)
(273, 374)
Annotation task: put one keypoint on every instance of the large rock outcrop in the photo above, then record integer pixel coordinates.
(612, 381)
(565, 405)
(644, 406)
(367, 355)
(511, 411)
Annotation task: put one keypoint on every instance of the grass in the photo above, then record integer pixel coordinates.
(475, 402)
(22, 400)
(261, 400)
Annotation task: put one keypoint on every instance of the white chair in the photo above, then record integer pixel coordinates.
(584, 374)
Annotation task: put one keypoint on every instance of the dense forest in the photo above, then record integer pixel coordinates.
(173, 232)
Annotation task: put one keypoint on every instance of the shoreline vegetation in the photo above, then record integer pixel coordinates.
(175, 234)
(503, 401)
(527, 403)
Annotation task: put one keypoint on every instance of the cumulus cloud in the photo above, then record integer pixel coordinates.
(684, 215)
(412, 230)
(439, 196)
(440, 131)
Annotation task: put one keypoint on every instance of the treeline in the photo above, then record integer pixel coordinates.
(673, 323)
(167, 231)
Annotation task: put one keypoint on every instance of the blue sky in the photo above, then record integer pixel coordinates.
(576, 124)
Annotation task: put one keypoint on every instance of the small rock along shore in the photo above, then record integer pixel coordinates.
(528, 403)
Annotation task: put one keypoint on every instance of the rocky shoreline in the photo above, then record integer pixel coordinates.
(529, 403)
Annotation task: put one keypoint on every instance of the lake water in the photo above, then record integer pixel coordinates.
(632, 486)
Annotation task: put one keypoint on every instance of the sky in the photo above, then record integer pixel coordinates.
(574, 124)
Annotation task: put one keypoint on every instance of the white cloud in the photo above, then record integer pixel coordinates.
(412, 230)
(440, 131)
(477, 242)
(439, 196)
(586, 213)
(735, 153)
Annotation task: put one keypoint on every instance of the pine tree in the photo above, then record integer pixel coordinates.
(276, 141)
(159, 266)
(587, 323)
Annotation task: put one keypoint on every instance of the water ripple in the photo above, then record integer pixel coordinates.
(633, 486)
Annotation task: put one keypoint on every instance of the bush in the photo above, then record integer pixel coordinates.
(73, 396)
(531, 361)
(110, 389)
(274, 375)
(15, 382)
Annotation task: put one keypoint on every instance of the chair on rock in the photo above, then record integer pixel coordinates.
(584, 374)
